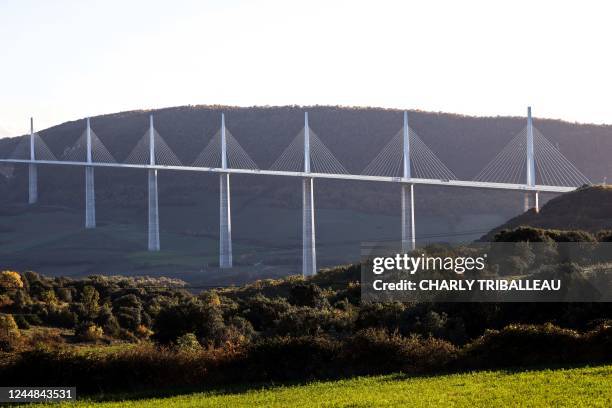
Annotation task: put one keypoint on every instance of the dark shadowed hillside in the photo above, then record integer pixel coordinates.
(588, 209)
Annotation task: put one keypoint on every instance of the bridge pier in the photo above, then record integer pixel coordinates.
(32, 183)
(153, 213)
(225, 225)
(225, 215)
(153, 201)
(90, 200)
(408, 236)
(309, 250)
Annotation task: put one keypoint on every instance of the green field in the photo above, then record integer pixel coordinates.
(577, 387)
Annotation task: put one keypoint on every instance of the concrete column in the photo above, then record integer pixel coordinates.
(90, 197)
(225, 216)
(153, 212)
(408, 236)
(32, 184)
(153, 203)
(309, 251)
(225, 225)
(32, 169)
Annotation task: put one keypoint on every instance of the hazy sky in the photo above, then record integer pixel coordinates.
(62, 60)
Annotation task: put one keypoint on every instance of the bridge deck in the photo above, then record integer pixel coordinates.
(355, 177)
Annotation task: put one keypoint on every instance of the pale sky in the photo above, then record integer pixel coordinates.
(62, 60)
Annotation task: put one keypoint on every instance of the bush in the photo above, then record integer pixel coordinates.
(10, 280)
(88, 331)
(308, 321)
(192, 316)
(9, 333)
(307, 294)
(22, 322)
(264, 313)
(373, 351)
(291, 358)
(188, 343)
(520, 345)
(143, 332)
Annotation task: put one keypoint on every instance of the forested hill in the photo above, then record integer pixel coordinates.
(355, 135)
(588, 209)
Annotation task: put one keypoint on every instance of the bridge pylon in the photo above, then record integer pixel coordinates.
(408, 221)
(225, 215)
(153, 197)
(309, 252)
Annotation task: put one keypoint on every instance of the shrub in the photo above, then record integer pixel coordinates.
(188, 342)
(127, 309)
(519, 345)
(88, 331)
(307, 294)
(10, 280)
(22, 322)
(291, 358)
(143, 332)
(372, 351)
(263, 312)
(90, 299)
(192, 316)
(9, 333)
(308, 321)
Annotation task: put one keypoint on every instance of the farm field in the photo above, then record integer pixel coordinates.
(576, 387)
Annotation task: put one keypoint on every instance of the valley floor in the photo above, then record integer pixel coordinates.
(576, 387)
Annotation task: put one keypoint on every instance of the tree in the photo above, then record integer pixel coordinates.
(10, 280)
(108, 321)
(90, 299)
(188, 342)
(88, 331)
(191, 316)
(128, 310)
(307, 294)
(9, 332)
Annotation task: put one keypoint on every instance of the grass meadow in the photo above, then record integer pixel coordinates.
(576, 387)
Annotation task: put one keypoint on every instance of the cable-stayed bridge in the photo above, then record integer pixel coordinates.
(529, 163)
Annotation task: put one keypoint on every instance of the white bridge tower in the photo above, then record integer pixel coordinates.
(408, 237)
(153, 204)
(225, 216)
(309, 252)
